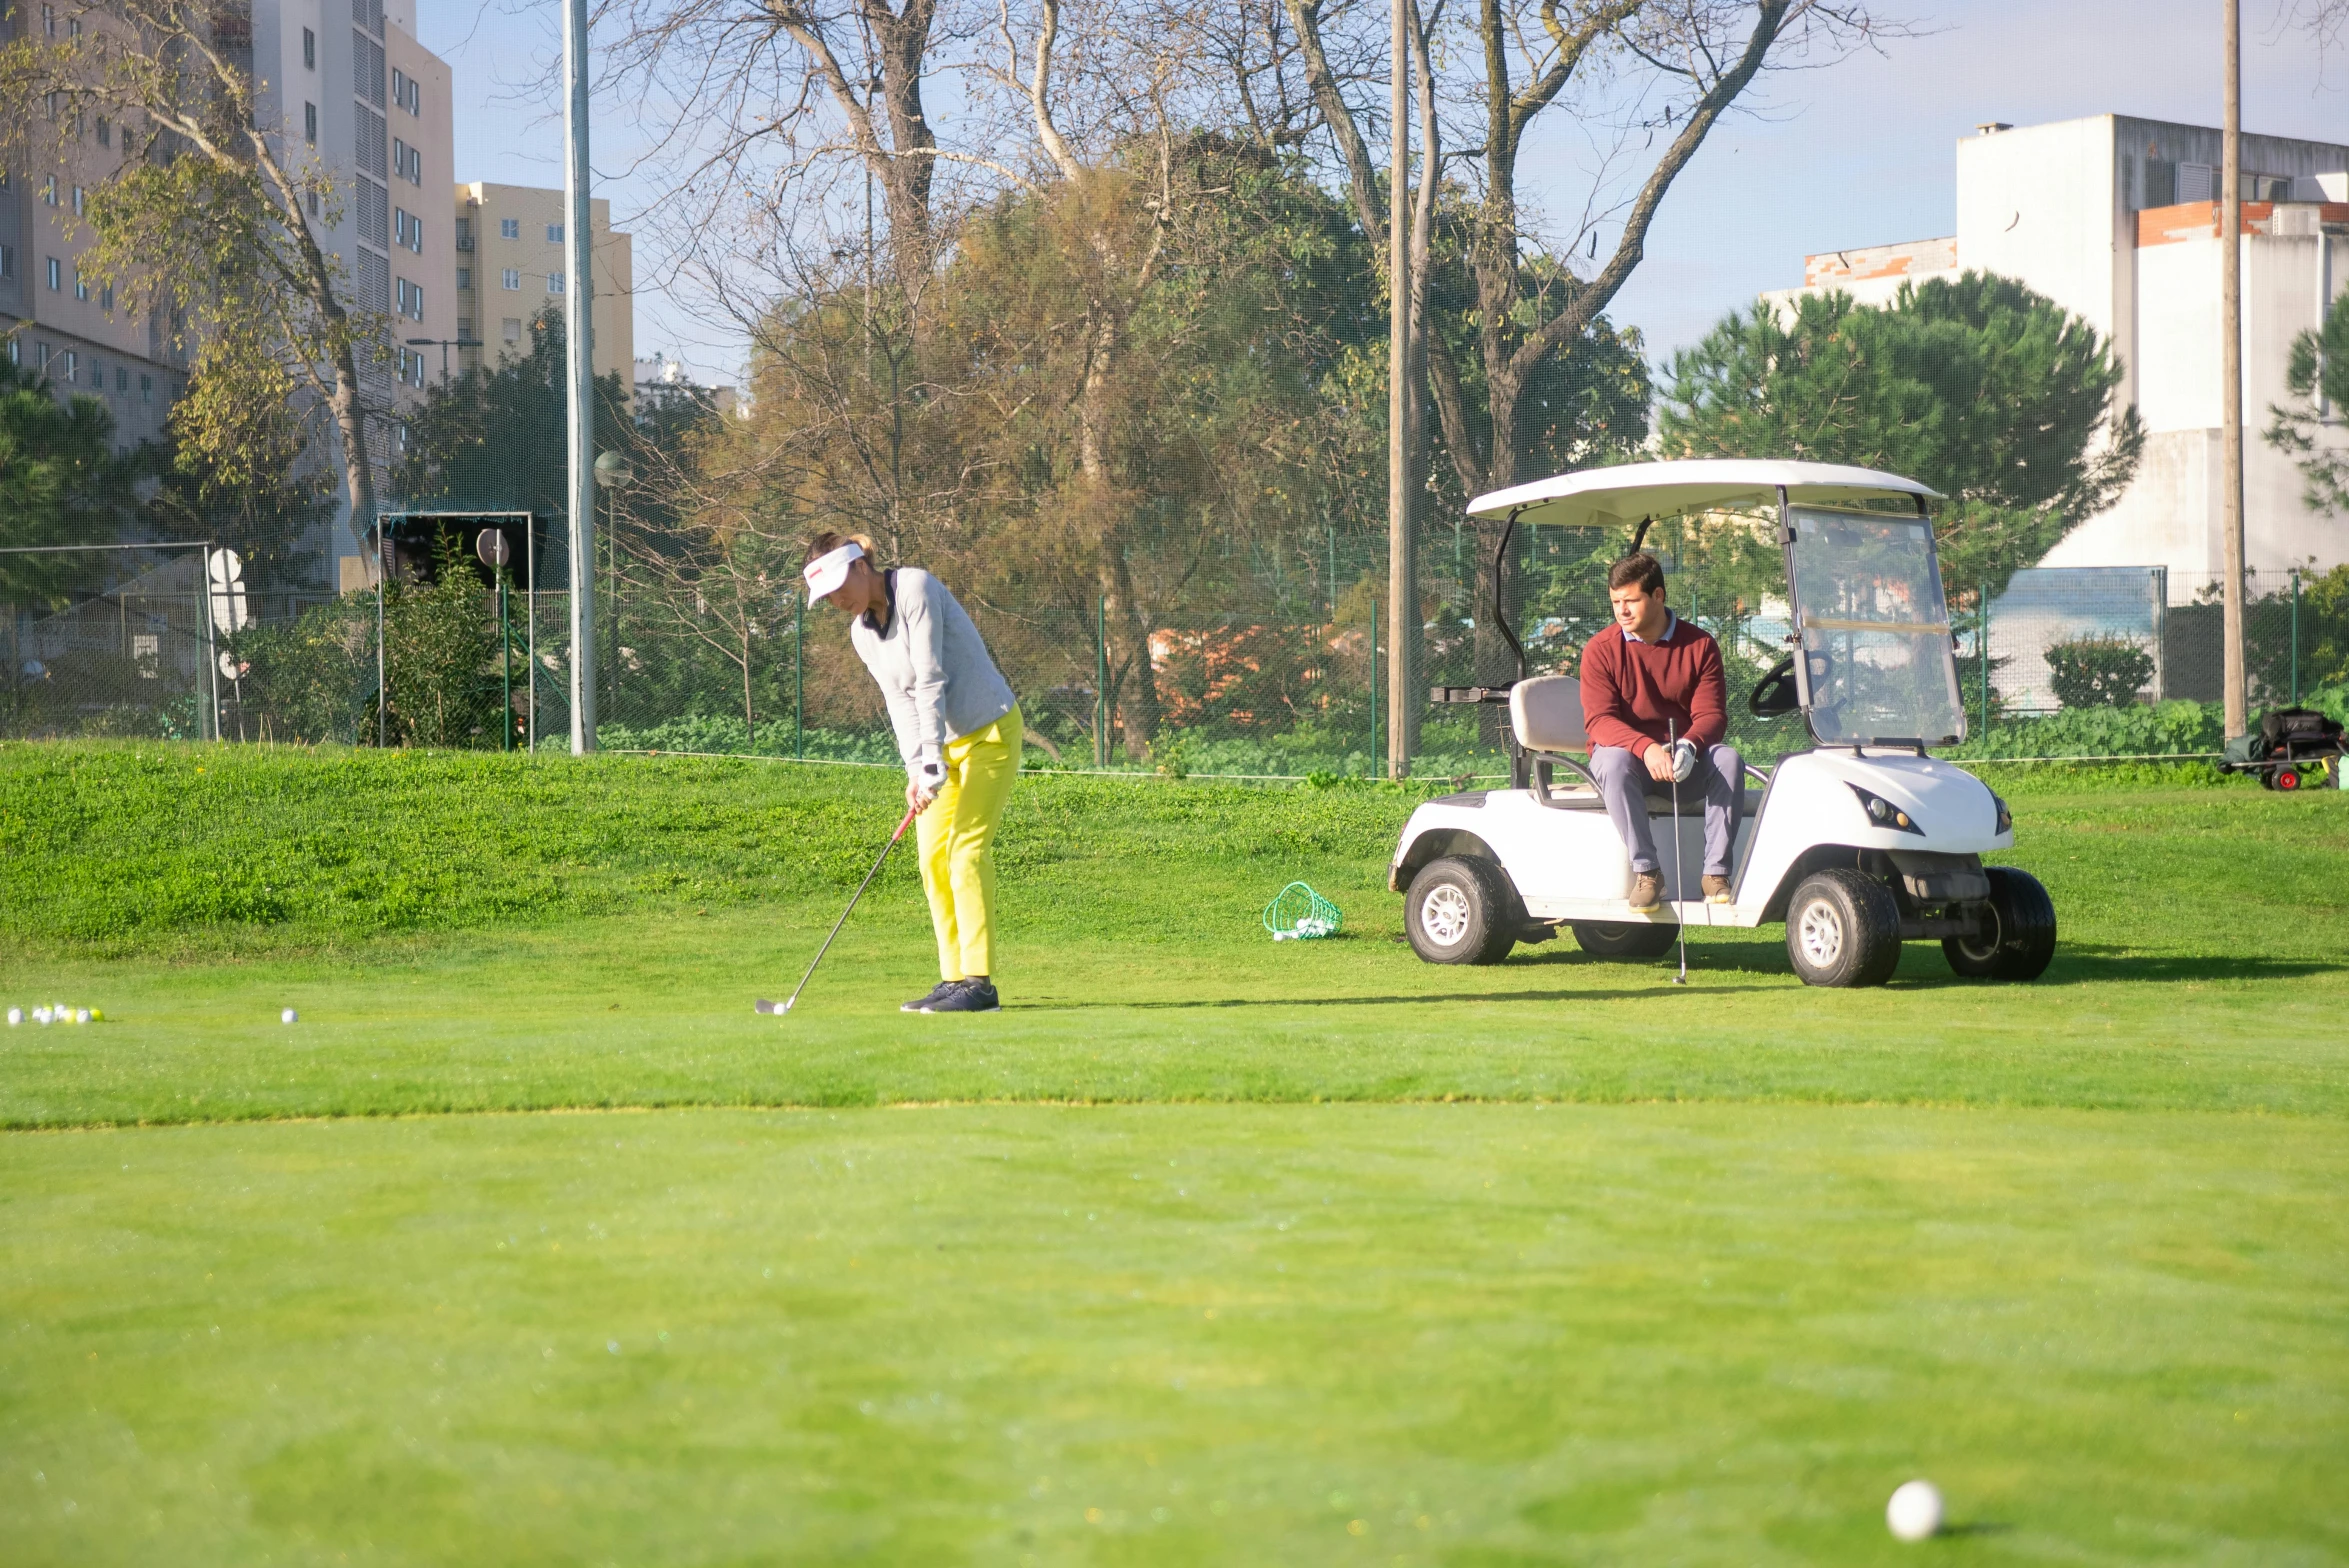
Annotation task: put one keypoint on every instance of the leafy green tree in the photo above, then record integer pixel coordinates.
(1992, 394)
(61, 481)
(2317, 375)
(496, 437)
(236, 471)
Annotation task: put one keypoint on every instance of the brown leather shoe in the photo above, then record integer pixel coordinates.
(1647, 892)
(1716, 889)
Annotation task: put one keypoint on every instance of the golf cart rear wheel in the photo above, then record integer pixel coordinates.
(1461, 910)
(1843, 929)
(1625, 938)
(2017, 939)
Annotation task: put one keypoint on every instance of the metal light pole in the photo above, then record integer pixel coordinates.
(2231, 373)
(1402, 598)
(579, 355)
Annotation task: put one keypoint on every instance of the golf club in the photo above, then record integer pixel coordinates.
(1672, 745)
(762, 1004)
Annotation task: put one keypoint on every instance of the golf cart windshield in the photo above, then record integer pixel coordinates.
(1877, 663)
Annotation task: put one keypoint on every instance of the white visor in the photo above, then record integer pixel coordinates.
(826, 573)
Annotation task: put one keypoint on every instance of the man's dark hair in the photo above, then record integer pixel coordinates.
(1640, 570)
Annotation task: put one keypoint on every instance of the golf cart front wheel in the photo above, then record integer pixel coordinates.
(2017, 939)
(1843, 929)
(1625, 938)
(1461, 910)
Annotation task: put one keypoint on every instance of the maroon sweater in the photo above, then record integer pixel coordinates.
(1629, 688)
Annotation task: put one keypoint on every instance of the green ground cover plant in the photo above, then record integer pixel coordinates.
(530, 1243)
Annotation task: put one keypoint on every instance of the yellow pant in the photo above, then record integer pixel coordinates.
(956, 837)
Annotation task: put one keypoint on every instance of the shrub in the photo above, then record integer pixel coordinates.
(2098, 672)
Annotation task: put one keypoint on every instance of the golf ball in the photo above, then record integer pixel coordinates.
(287, 1016)
(41, 1016)
(81, 1015)
(97, 1015)
(15, 1016)
(1915, 1510)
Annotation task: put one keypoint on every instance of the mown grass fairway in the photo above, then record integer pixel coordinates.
(1689, 1276)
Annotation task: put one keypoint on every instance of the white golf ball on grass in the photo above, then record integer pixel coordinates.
(15, 1016)
(288, 1016)
(1914, 1511)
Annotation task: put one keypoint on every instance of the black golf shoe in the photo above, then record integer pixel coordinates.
(938, 993)
(975, 995)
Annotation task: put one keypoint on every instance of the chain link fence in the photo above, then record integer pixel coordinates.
(1262, 664)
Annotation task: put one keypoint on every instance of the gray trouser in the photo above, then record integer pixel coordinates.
(1719, 781)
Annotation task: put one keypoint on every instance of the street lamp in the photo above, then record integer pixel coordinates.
(614, 475)
(444, 345)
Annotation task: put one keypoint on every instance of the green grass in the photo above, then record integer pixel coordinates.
(2074, 1249)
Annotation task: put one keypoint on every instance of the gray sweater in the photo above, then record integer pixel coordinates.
(933, 670)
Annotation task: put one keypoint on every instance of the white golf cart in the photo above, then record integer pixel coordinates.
(1858, 845)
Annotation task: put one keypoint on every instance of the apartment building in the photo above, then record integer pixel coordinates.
(511, 265)
(54, 318)
(2117, 220)
(354, 94)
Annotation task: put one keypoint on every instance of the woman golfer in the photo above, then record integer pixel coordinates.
(958, 728)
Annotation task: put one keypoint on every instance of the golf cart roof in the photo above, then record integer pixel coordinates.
(1622, 495)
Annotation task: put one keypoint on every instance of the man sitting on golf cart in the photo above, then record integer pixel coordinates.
(1654, 699)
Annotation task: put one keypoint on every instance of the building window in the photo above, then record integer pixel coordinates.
(56, 274)
(313, 203)
(146, 388)
(310, 123)
(106, 298)
(81, 285)
(464, 280)
(464, 329)
(406, 93)
(464, 234)
(121, 379)
(79, 197)
(49, 20)
(408, 230)
(554, 234)
(7, 261)
(511, 330)
(49, 190)
(411, 300)
(554, 283)
(309, 50)
(105, 132)
(15, 357)
(509, 228)
(73, 362)
(513, 277)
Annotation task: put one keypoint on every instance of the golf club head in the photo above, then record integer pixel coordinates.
(762, 1005)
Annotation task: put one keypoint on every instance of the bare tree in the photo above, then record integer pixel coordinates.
(202, 214)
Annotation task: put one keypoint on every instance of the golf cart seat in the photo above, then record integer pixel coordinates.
(1545, 714)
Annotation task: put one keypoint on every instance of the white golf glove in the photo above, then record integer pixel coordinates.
(1684, 760)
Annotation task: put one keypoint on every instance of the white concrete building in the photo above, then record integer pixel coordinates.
(2116, 219)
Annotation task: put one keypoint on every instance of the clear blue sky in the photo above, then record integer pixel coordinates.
(1854, 154)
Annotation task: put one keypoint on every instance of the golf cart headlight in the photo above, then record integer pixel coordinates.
(2006, 818)
(1883, 813)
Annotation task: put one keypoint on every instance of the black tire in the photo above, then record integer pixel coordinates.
(2019, 940)
(1461, 910)
(2287, 778)
(1625, 938)
(1843, 929)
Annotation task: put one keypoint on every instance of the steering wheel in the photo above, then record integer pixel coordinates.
(1774, 693)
